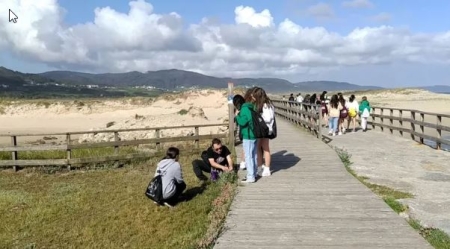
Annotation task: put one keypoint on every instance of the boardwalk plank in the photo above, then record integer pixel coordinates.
(311, 201)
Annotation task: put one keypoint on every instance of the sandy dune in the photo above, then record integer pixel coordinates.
(187, 108)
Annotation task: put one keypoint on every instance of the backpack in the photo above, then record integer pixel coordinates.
(154, 189)
(260, 128)
(274, 129)
(344, 112)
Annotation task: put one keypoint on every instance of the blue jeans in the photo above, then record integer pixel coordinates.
(333, 123)
(250, 158)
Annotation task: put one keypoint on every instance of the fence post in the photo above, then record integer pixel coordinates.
(69, 151)
(422, 118)
(401, 122)
(196, 134)
(231, 141)
(14, 153)
(373, 118)
(382, 119)
(116, 148)
(319, 132)
(391, 121)
(157, 135)
(439, 131)
(413, 126)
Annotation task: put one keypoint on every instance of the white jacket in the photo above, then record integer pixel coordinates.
(268, 114)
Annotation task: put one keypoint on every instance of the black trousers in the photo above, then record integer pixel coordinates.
(180, 187)
(199, 166)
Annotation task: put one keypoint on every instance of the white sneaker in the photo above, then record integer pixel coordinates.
(266, 171)
(340, 133)
(242, 165)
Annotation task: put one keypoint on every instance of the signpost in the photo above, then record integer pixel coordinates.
(231, 141)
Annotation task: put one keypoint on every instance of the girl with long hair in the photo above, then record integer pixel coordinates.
(245, 121)
(353, 109)
(238, 101)
(264, 106)
(343, 114)
(334, 108)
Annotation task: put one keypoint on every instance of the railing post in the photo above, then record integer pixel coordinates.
(413, 126)
(373, 118)
(14, 153)
(401, 122)
(231, 142)
(319, 120)
(382, 119)
(116, 147)
(391, 121)
(196, 134)
(158, 135)
(68, 151)
(422, 119)
(439, 131)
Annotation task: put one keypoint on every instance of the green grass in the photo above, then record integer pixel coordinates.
(108, 209)
(437, 238)
(183, 112)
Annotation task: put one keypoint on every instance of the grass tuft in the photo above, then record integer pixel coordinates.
(183, 112)
(437, 238)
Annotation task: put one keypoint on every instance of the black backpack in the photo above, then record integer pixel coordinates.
(274, 129)
(260, 128)
(154, 189)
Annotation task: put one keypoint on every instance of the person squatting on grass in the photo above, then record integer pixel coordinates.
(264, 106)
(245, 121)
(217, 158)
(171, 176)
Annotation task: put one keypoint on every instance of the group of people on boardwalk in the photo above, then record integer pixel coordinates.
(255, 116)
(338, 112)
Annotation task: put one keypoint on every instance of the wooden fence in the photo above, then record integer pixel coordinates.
(303, 114)
(15, 149)
(422, 127)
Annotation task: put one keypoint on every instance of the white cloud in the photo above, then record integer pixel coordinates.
(382, 17)
(249, 16)
(254, 45)
(358, 4)
(321, 10)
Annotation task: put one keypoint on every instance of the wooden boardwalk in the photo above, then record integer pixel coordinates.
(311, 201)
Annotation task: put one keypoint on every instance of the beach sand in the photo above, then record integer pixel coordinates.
(186, 108)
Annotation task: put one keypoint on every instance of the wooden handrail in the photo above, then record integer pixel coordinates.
(15, 149)
(413, 122)
(109, 131)
(307, 115)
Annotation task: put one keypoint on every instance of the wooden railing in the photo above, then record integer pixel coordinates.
(15, 149)
(423, 127)
(304, 114)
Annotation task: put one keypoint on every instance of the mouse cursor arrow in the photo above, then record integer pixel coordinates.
(12, 16)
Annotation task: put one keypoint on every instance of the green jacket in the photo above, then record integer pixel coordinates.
(364, 105)
(244, 120)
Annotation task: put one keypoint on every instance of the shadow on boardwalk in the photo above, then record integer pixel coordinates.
(311, 202)
(282, 160)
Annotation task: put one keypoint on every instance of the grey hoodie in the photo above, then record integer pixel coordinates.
(170, 173)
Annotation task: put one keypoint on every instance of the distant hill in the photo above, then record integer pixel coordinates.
(310, 86)
(172, 79)
(437, 88)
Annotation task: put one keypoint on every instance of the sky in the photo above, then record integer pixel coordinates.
(383, 43)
